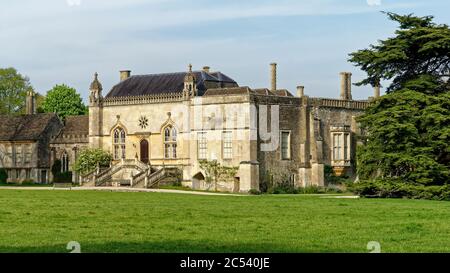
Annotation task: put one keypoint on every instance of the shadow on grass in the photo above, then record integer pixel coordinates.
(167, 247)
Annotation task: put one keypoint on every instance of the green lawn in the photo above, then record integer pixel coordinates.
(45, 221)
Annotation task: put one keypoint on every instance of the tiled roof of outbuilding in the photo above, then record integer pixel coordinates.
(75, 130)
(25, 127)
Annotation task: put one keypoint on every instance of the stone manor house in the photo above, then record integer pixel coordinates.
(159, 127)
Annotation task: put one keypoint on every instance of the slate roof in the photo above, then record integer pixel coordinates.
(140, 85)
(75, 130)
(25, 127)
(76, 125)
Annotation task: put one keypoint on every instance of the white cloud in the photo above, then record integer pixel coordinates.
(374, 2)
(72, 3)
(55, 41)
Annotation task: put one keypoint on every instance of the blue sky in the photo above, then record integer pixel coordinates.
(66, 41)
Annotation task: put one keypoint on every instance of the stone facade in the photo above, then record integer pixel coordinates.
(66, 146)
(24, 146)
(260, 132)
(160, 128)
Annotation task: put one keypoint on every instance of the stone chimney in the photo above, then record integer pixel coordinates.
(273, 75)
(206, 69)
(346, 86)
(124, 74)
(376, 90)
(300, 91)
(30, 103)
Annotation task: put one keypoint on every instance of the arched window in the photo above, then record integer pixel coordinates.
(119, 143)
(64, 162)
(170, 142)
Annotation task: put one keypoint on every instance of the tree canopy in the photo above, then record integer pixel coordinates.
(13, 90)
(65, 101)
(419, 54)
(408, 130)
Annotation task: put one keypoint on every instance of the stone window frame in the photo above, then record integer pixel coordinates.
(202, 145)
(19, 154)
(119, 137)
(227, 144)
(341, 151)
(170, 137)
(289, 148)
(9, 154)
(65, 161)
(28, 153)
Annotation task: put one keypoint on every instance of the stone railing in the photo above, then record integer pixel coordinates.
(88, 178)
(104, 176)
(155, 177)
(156, 98)
(140, 177)
(350, 104)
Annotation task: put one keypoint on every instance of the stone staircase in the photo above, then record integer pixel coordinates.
(149, 180)
(127, 172)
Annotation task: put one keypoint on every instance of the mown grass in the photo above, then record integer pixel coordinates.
(45, 221)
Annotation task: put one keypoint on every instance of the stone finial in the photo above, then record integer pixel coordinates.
(206, 69)
(273, 76)
(190, 84)
(96, 85)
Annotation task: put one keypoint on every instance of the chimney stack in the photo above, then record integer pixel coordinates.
(346, 86)
(30, 103)
(206, 69)
(376, 93)
(273, 73)
(124, 74)
(300, 91)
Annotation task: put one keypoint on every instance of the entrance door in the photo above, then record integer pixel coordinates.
(144, 151)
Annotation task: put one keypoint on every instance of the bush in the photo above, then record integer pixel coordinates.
(331, 179)
(285, 186)
(65, 177)
(89, 159)
(399, 189)
(56, 168)
(28, 182)
(254, 192)
(3, 176)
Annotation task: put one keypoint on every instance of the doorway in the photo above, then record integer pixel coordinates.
(144, 151)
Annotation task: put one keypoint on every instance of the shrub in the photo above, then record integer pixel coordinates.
(399, 189)
(3, 176)
(331, 179)
(56, 168)
(89, 159)
(65, 177)
(28, 182)
(254, 192)
(285, 186)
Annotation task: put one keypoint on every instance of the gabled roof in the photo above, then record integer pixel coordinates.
(76, 125)
(168, 83)
(25, 127)
(75, 130)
